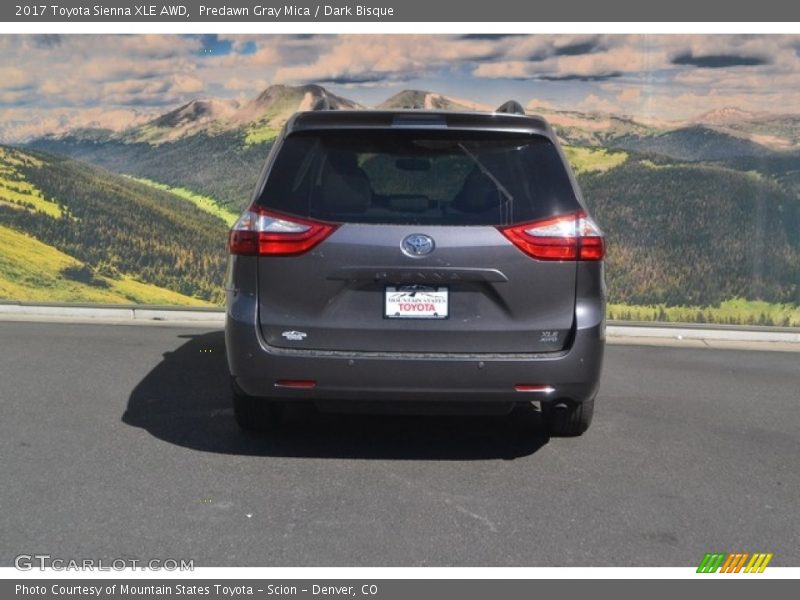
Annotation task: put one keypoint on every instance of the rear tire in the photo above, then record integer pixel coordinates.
(255, 414)
(569, 419)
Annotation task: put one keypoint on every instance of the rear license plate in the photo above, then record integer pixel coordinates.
(416, 302)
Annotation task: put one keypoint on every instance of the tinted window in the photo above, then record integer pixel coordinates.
(418, 177)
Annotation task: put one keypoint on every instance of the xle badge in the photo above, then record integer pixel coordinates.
(548, 337)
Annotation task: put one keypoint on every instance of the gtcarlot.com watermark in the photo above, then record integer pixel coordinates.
(44, 562)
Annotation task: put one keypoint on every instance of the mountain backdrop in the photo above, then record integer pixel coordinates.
(697, 212)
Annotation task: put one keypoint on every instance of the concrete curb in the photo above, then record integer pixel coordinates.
(111, 313)
(663, 334)
(685, 333)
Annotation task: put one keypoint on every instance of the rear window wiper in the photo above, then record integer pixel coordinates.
(508, 203)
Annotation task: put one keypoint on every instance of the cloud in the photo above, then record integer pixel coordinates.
(543, 48)
(186, 84)
(513, 69)
(50, 40)
(51, 88)
(718, 61)
(152, 92)
(578, 48)
(391, 58)
(239, 84)
(664, 103)
(102, 70)
(261, 55)
(491, 37)
(670, 75)
(22, 124)
(82, 70)
(13, 98)
(535, 103)
(734, 80)
(15, 79)
(156, 47)
(629, 94)
(576, 77)
(594, 103)
(679, 105)
(608, 61)
(349, 80)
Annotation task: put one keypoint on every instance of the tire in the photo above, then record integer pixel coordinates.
(569, 419)
(255, 414)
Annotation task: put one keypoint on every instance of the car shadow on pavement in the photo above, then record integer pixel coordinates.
(185, 400)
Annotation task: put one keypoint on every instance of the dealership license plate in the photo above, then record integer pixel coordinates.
(416, 302)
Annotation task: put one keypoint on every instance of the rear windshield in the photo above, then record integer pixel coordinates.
(418, 177)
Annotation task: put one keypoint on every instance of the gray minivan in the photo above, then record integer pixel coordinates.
(419, 259)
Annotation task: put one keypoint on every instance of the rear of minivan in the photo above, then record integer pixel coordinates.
(420, 259)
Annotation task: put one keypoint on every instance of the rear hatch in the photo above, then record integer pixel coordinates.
(406, 240)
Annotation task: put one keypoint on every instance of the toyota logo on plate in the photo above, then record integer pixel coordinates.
(417, 244)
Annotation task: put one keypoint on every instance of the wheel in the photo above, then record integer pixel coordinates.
(255, 414)
(569, 419)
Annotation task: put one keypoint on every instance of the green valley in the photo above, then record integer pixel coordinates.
(112, 239)
(204, 203)
(222, 166)
(33, 271)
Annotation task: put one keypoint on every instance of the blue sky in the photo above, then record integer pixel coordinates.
(53, 82)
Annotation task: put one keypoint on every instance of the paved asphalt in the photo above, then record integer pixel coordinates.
(118, 442)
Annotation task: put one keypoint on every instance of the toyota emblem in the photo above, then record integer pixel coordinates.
(417, 245)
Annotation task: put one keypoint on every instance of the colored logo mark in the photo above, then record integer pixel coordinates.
(734, 562)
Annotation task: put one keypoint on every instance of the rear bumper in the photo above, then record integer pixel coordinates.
(372, 376)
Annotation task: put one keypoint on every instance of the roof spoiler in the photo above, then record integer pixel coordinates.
(511, 107)
(322, 103)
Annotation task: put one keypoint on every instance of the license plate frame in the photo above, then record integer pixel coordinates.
(416, 302)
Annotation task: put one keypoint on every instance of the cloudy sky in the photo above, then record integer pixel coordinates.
(49, 82)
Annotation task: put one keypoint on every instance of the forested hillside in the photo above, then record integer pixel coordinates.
(31, 270)
(695, 234)
(114, 227)
(692, 143)
(221, 166)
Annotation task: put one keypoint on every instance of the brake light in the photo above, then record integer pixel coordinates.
(574, 236)
(260, 232)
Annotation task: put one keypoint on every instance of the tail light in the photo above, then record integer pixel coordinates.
(260, 232)
(574, 236)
